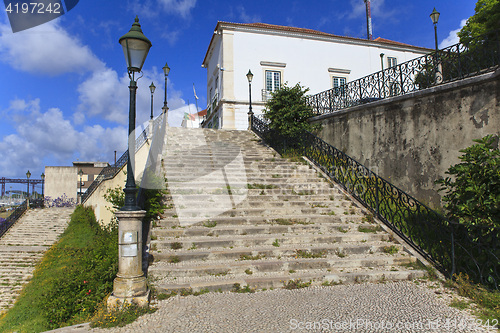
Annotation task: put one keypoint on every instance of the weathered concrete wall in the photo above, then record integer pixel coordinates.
(103, 210)
(412, 140)
(60, 181)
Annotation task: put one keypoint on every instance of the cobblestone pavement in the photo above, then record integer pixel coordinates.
(383, 307)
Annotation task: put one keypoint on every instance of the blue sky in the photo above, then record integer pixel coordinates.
(64, 94)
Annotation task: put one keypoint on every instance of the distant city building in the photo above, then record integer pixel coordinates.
(90, 172)
(279, 54)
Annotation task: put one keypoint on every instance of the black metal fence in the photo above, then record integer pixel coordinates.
(16, 214)
(478, 56)
(450, 246)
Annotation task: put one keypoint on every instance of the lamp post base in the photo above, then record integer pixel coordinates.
(130, 284)
(115, 302)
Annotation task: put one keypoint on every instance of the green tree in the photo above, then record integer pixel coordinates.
(473, 194)
(288, 111)
(486, 19)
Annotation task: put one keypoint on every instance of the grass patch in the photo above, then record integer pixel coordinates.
(369, 229)
(393, 249)
(296, 284)
(210, 224)
(238, 289)
(488, 301)
(73, 278)
(182, 292)
(119, 316)
(174, 259)
(248, 271)
(261, 186)
(459, 304)
(176, 246)
(309, 254)
(282, 221)
(276, 243)
(251, 257)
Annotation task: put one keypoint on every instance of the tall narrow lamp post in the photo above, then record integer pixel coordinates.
(43, 185)
(437, 67)
(28, 175)
(129, 285)
(250, 112)
(80, 174)
(152, 90)
(166, 70)
(435, 17)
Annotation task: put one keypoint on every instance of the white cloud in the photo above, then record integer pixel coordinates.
(103, 94)
(245, 18)
(40, 136)
(377, 9)
(47, 49)
(452, 36)
(181, 7)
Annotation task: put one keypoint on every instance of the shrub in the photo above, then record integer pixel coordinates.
(473, 192)
(288, 111)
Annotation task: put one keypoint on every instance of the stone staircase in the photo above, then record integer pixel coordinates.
(239, 213)
(22, 247)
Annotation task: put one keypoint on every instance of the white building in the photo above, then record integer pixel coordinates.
(279, 54)
(193, 120)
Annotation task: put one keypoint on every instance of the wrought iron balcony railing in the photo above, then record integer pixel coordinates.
(456, 62)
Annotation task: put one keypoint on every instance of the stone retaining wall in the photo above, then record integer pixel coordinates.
(412, 140)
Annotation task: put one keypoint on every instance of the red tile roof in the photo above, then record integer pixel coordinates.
(378, 40)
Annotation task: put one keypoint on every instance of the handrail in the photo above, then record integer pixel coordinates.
(477, 56)
(110, 172)
(452, 247)
(12, 218)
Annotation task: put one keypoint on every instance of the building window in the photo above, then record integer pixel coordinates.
(391, 61)
(339, 85)
(273, 80)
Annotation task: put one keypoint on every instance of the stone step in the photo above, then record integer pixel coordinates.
(276, 221)
(287, 250)
(282, 239)
(222, 268)
(228, 220)
(22, 247)
(262, 229)
(221, 283)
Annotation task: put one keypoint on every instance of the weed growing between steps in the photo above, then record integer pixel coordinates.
(120, 317)
(75, 275)
(488, 301)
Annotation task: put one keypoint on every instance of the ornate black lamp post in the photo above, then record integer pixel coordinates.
(43, 184)
(152, 89)
(80, 174)
(435, 17)
(166, 70)
(250, 112)
(135, 47)
(28, 175)
(130, 285)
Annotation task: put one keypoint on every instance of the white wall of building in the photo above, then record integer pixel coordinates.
(301, 57)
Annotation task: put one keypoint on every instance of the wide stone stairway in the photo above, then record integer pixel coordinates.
(238, 213)
(22, 247)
